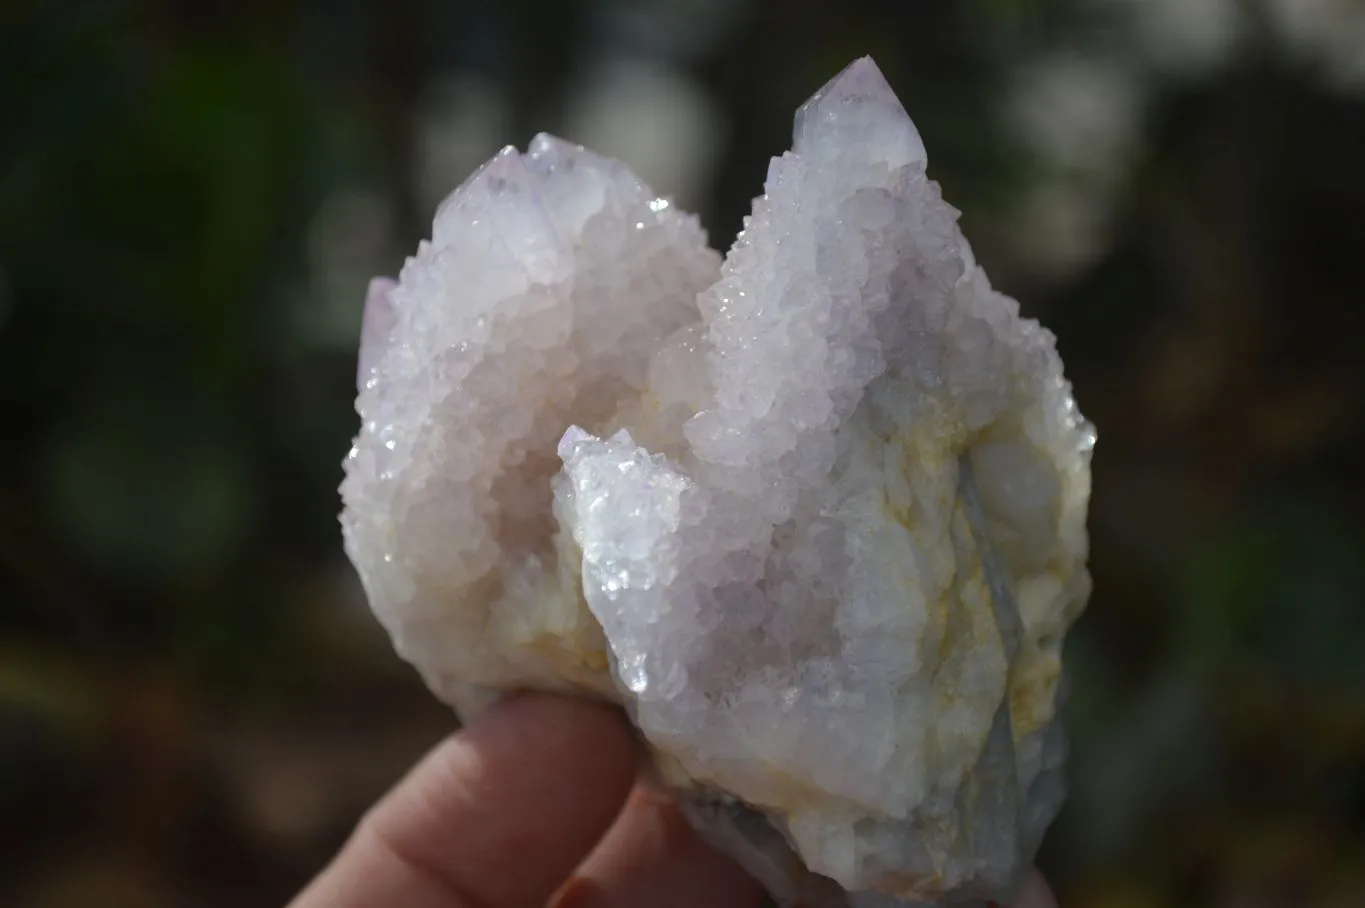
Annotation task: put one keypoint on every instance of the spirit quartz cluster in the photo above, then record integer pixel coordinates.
(815, 514)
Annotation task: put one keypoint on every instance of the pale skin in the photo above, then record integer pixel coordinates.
(536, 803)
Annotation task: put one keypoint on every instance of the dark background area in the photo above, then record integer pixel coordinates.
(195, 705)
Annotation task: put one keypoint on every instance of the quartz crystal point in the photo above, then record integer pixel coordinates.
(815, 516)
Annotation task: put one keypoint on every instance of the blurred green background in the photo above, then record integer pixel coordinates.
(195, 705)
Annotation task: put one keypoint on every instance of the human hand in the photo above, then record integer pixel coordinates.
(535, 801)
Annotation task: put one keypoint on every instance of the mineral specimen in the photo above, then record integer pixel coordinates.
(815, 516)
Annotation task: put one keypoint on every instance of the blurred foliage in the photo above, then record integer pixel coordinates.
(194, 705)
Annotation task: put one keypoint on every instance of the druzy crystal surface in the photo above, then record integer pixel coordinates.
(814, 515)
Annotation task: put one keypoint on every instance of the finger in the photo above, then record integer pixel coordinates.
(1034, 893)
(652, 857)
(496, 816)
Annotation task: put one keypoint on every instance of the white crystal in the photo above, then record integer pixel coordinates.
(815, 517)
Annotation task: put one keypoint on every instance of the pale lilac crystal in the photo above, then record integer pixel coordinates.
(816, 517)
(376, 322)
